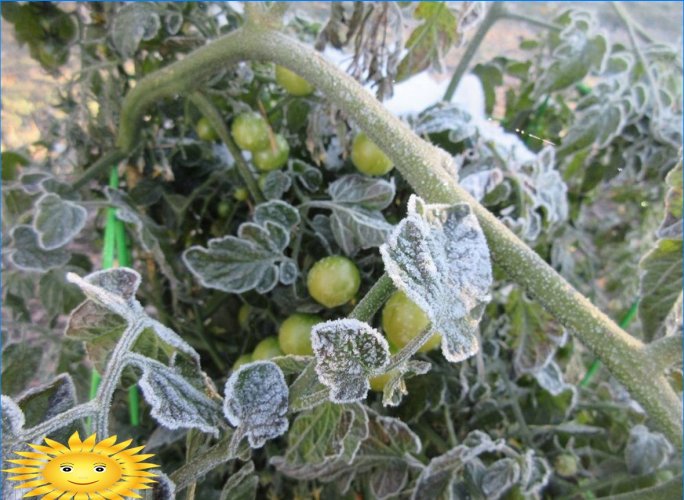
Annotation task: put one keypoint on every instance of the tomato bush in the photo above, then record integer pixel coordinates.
(315, 298)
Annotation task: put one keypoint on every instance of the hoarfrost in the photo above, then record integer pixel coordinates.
(12, 418)
(28, 255)
(112, 288)
(256, 400)
(347, 352)
(438, 256)
(57, 221)
(646, 451)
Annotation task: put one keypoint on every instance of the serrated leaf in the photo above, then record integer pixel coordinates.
(646, 451)
(322, 440)
(113, 289)
(253, 259)
(309, 176)
(12, 418)
(132, 24)
(356, 221)
(56, 294)
(499, 476)
(29, 256)
(661, 284)
(439, 257)
(347, 352)
(176, 404)
(275, 184)
(536, 335)
(429, 42)
(256, 398)
(445, 122)
(437, 477)
(57, 221)
(242, 485)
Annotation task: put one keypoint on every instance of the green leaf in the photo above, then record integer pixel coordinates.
(56, 294)
(356, 221)
(661, 283)
(12, 418)
(307, 391)
(348, 351)
(256, 398)
(438, 257)
(536, 335)
(671, 227)
(275, 184)
(430, 41)
(242, 485)
(646, 451)
(11, 163)
(252, 260)
(132, 24)
(57, 221)
(322, 440)
(490, 77)
(20, 365)
(176, 404)
(27, 254)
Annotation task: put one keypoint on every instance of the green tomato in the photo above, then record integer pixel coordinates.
(267, 349)
(250, 132)
(241, 194)
(378, 382)
(270, 159)
(223, 209)
(402, 320)
(292, 82)
(242, 360)
(368, 158)
(565, 465)
(205, 131)
(333, 281)
(294, 334)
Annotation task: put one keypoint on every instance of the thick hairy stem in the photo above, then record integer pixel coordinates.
(112, 374)
(59, 421)
(212, 114)
(424, 167)
(410, 349)
(494, 13)
(374, 299)
(665, 352)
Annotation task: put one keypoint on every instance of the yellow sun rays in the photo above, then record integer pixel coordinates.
(83, 470)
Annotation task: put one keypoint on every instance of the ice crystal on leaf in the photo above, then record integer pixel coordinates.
(438, 256)
(112, 288)
(347, 352)
(256, 397)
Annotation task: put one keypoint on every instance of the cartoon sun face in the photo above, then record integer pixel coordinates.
(84, 469)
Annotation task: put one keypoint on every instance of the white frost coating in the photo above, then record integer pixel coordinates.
(176, 404)
(256, 398)
(12, 418)
(347, 352)
(172, 338)
(112, 288)
(439, 257)
(57, 221)
(28, 256)
(535, 474)
(646, 451)
(550, 378)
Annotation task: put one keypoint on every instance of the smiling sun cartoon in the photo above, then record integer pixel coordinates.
(83, 470)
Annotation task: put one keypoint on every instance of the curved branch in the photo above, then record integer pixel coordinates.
(425, 167)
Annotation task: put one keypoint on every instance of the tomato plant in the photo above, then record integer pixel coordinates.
(346, 293)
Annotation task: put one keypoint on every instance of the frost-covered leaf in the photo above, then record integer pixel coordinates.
(356, 221)
(309, 176)
(536, 335)
(29, 256)
(386, 482)
(16, 205)
(307, 391)
(499, 476)
(535, 473)
(347, 352)
(173, 21)
(429, 42)
(550, 377)
(579, 48)
(252, 260)
(444, 122)
(132, 24)
(437, 477)
(44, 402)
(480, 184)
(322, 440)
(438, 256)
(175, 402)
(661, 284)
(57, 221)
(12, 418)
(395, 388)
(56, 294)
(112, 288)
(172, 338)
(162, 489)
(646, 451)
(242, 485)
(671, 227)
(275, 185)
(256, 397)
(21, 362)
